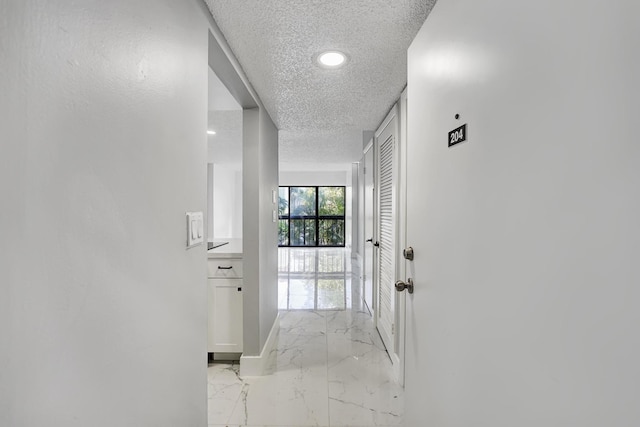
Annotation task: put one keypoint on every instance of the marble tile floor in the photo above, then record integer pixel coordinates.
(330, 368)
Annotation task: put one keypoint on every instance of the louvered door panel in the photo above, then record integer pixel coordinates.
(386, 236)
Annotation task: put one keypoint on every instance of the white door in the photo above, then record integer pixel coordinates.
(386, 143)
(416, 210)
(369, 207)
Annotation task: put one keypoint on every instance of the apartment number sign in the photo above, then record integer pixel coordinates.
(457, 135)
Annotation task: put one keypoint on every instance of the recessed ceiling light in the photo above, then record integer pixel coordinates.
(211, 132)
(332, 59)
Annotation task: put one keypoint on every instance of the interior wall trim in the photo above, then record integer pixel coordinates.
(255, 366)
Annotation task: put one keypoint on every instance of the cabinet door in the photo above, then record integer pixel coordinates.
(225, 315)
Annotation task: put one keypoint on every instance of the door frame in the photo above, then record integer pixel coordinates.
(402, 272)
(399, 299)
(369, 265)
(402, 269)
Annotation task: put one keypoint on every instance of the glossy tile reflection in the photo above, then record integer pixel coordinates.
(313, 279)
(330, 367)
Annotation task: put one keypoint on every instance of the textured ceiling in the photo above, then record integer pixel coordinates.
(321, 113)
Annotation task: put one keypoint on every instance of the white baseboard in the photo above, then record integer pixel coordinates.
(253, 366)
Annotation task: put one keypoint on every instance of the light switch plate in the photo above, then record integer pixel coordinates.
(195, 229)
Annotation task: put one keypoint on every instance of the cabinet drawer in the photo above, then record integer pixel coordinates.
(225, 268)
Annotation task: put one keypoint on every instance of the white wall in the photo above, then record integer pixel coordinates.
(313, 178)
(260, 177)
(358, 236)
(353, 194)
(348, 216)
(227, 202)
(209, 213)
(526, 304)
(103, 150)
(268, 237)
(260, 288)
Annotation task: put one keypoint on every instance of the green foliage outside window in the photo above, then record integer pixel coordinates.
(331, 232)
(303, 232)
(303, 201)
(331, 201)
(283, 232)
(301, 225)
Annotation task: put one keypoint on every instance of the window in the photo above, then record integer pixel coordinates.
(311, 216)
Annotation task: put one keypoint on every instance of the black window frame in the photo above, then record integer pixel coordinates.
(317, 218)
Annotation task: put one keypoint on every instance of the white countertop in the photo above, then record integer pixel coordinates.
(233, 249)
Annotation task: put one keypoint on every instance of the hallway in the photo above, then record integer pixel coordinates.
(330, 367)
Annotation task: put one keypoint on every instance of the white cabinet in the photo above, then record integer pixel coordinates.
(225, 305)
(225, 268)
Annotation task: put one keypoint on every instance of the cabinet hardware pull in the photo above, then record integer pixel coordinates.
(224, 268)
(239, 289)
